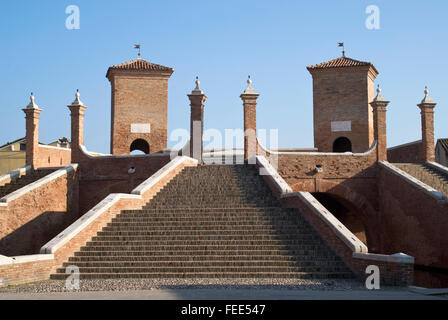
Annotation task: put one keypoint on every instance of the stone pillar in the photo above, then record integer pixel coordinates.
(32, 112)
(249, 97)
(197, 100)
(77, 109)
(427, 114)
(379, 105)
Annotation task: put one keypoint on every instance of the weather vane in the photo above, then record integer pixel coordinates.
(341, 44)
(137, 46)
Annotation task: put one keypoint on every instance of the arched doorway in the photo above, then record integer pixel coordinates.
(139, 145)
(344, 211)
(342, 144)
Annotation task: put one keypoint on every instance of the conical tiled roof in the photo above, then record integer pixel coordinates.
(139, 65)
(341, 62)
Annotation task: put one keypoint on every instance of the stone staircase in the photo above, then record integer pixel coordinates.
(24, 180)
(426, 174)
(209, 222)
(223, 157)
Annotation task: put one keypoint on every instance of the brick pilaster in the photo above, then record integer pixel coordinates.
(427, 115)
(77, 109)
(379, 105)
(197, 100)
(249, 97)
(32, 113)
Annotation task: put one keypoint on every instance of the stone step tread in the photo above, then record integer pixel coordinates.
(217, 252)
(188, 258)
(214, 275)
(126, 239)
(200, 269)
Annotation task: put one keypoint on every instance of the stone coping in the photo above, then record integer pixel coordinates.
(4, 261)
(13, 174)
(339, 229)
(414, 181)
(70, 232)
(94, 155)
(266, 169)
(161, 173)
(404, 145)
(349, 154)
(438, 167)
(36, 184)
(53, 147)
(394, 258)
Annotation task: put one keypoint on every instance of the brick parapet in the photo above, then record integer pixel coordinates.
(36, 212)
(347, 246)
(414, 217)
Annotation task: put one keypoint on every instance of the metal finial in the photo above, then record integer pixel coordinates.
(137, 46)
(197, 90)
(378, 97)
(249, 89)
(77, 101)
(32, 104)
(427, 99)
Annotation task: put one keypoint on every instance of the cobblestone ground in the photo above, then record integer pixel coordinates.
(152, 284)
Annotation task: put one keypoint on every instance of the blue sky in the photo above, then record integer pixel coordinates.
(221, 42)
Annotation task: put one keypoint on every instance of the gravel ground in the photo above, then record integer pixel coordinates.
(152, 284)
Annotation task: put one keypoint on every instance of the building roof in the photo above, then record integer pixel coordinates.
(12, 142)
(342, 62)
(444, 143)
(139, 65)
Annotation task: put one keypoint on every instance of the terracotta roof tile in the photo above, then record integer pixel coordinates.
(139, 64)
(341, 62)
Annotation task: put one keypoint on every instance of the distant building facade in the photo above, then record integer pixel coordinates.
(442, 151)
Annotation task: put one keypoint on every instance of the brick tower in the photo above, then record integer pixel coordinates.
(139, 119)
(342, 91)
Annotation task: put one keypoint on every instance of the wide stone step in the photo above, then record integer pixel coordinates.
(212, 275)
(201, 242)
(202, 247)
(204, 219)
(199, 269)
(318, 253)
(275, 209)
(149, 229)
(207, 224)
(300, 259)
(193, 214)
(194, 238)
(335, 266)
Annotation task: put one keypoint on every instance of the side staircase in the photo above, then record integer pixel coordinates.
(24, 180)
(216, 221)
(432, 177)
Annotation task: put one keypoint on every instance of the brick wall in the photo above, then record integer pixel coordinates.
(410, 152)
(19, 273)
(343, 94)
(395, 274)
(53, 157)
(103, 175)
(138, 99)
(412, 221)
(35, 217)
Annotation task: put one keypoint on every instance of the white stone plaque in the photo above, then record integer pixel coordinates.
(341, 126)
(140, 128)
